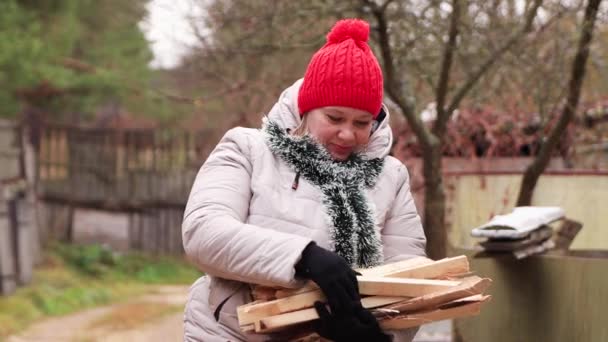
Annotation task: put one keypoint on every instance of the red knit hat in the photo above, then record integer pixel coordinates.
(344, 72)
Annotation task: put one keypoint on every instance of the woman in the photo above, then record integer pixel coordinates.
(311, 195)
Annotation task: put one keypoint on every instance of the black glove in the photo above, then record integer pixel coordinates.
(333, 275)
(358, 325)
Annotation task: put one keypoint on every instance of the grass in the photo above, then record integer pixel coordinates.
(73, 278)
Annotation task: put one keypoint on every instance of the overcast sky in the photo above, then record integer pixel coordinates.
(168, 30)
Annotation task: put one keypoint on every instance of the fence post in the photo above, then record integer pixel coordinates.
(22, 218)
(10, 172)
(8, 282)
(16, 234)
(30, 146)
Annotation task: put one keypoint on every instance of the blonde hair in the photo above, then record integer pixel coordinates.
(302, 128)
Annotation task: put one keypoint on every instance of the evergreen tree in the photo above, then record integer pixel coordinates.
(91, 51)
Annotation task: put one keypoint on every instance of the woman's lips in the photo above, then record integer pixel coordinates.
(341, 149)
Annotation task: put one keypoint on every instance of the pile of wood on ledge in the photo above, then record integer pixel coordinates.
(526, 231)
(401, 295)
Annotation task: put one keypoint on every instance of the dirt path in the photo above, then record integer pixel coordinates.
(153, 317)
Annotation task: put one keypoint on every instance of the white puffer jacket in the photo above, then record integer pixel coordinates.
(245, 224)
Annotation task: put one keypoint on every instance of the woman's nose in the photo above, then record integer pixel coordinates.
(346, 135)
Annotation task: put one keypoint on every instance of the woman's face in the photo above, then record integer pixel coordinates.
(341, 130)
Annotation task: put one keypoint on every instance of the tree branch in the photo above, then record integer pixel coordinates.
(493, 58)
(391, 84)
(385, 5)
(444, 74)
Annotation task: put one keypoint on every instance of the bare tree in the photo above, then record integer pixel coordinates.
(432, 139)
(577, 76)
(453, 53)
(248, 51)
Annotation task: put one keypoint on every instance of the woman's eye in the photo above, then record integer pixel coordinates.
(362, 123)
(333, 118)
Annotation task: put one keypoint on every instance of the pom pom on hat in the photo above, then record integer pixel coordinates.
(344, 72)
(349, 28)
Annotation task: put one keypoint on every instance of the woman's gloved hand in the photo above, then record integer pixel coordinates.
(333, 275)
(357, 325)
(348, 320)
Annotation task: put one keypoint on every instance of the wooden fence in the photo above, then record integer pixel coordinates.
(145, 174)
(121, 169)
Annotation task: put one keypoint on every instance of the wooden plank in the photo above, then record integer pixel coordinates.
(403, 287)
(375, 286)
(376, 301)
(469, 286)
(443, 268)
(380, 271)
(156, 224)
(171, 227)
(253, 313)
(250, 328)
(162, 230)
(395, 267)
(534, 249)
(130, 164)
(179, 246)
(470, 307)
(248, 314)
(465, 300)
(25, 233)
(167, 229)
(8, 282)
(263, 293)
(535, 237)
(566, 234)
(284, 293)
(278, 322)
(274, 323)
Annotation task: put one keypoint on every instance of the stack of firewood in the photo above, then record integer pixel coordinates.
(526, 231)
(401, 295)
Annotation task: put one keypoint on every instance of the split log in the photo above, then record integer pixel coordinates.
(469, 287)
(402, 287)
(417, 267)
(439, 269)
(396, 267)
(273, 323)
(461, 308)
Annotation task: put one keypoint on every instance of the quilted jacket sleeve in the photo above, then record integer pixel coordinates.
(403, 236)
(215, 234)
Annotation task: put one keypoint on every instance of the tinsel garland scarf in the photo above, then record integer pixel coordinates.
(343, 185)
